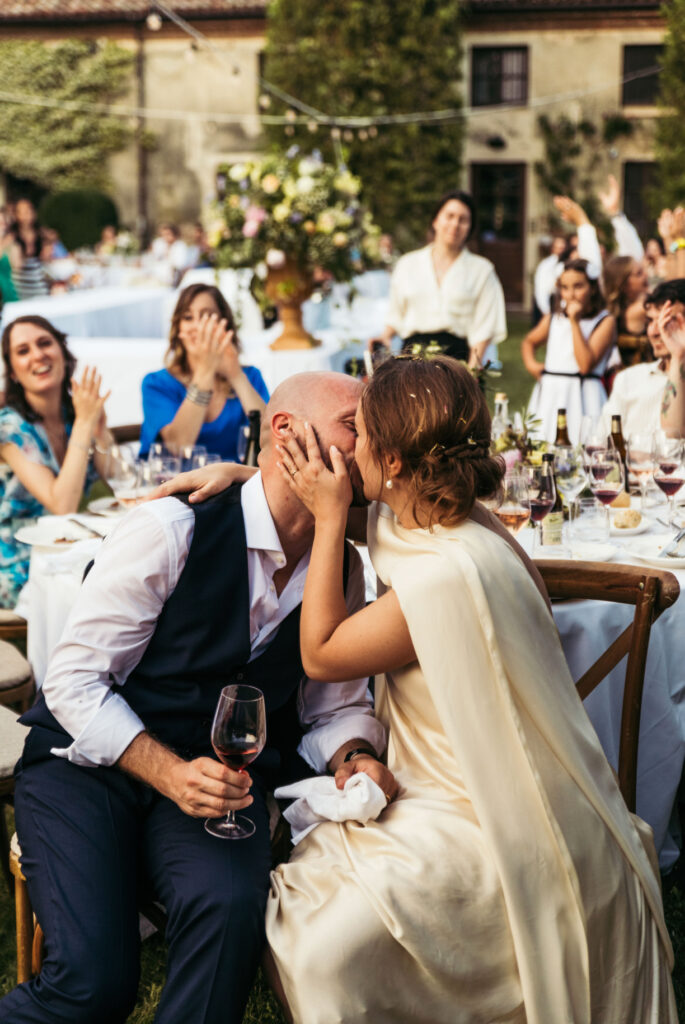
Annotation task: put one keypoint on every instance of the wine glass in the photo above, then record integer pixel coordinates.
(669, 474)
(570, 473)
(122, 475)
(164, 468)
(238, 737)
(640, 462)
(605, 469)
(243, 441)
(187, 453)
(592, 436)
(540, 495)
(204, 459)
(514, 510)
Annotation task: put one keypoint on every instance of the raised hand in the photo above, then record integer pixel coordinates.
(570, 210)
(210, 347)
(325, 492)
(89, 404)
(611, 199)
(672, 330)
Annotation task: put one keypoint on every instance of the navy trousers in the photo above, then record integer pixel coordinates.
(89, 837)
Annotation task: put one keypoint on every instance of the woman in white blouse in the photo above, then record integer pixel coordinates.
(444, 292)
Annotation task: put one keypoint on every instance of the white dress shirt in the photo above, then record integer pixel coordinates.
(468, 301)
(636, 397)
(112, 622)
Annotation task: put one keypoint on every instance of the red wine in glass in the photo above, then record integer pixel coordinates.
(600, 470)
(667, 466)
(236, 751)
(238, 736)
(607, 494)
(670, 485)
(592, 448)
(539, 507)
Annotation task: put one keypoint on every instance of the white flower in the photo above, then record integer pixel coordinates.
(308, 166)
(305, 184)
(237, 172)
(261, 270)
(275, 258)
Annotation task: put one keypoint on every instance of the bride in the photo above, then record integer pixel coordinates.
(507, 881)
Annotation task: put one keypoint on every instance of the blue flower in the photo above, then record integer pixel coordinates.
(292, 152)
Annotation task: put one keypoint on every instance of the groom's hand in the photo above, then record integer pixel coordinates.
(381, 775)
(205, 788)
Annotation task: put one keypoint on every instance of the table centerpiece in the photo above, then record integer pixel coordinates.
(291, 216)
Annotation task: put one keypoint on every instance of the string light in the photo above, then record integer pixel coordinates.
(153, 21)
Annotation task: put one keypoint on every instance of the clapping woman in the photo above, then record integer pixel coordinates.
(50, 426)
(203, 395)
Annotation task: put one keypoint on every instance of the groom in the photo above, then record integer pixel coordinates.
(117, 773)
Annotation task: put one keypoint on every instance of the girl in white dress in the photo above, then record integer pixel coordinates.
(579, 334)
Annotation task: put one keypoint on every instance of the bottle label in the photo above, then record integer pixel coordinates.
(561, 422)
(552, 528)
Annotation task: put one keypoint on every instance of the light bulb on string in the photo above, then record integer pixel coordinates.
(289, 129)
(154, 21)
(264, 101)
(363, 135)
(373, 131)
(312, 127)
(335, 133)
(290, 115)
(348, 135)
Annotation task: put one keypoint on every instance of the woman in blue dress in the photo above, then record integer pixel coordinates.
(50, 426)
(203, 395)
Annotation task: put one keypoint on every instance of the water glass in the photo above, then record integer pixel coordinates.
(590, 524)
(204, 459)
(640, 462)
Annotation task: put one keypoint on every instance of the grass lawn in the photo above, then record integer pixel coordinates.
(263, 1008)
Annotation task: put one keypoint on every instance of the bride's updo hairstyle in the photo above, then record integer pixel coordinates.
(433, 415)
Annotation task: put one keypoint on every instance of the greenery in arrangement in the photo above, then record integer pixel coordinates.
(382, 58)
(296, 208)
(670, 142)
(55, 147)
(78, 216)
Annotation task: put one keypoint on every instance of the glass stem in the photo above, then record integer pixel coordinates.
(230, 819)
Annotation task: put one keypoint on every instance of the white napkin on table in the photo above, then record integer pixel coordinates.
(319, 799)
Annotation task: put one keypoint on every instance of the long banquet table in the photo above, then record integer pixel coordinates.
(100, 312)
(586, 629)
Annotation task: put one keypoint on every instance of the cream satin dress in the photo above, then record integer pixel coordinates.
(507, 882)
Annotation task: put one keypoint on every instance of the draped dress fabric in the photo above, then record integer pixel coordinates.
(560, 387)
(507, 882)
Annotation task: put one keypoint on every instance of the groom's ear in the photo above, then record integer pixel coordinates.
(281, 425)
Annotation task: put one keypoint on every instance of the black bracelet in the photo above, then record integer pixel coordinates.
(360, 750)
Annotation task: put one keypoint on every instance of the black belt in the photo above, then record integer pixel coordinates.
(576, 376)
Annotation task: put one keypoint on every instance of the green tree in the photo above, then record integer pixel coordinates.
(55, 146)
(373, 58)
(670, 138)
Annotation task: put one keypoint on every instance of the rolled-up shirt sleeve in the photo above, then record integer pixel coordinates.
(489, 321)
(334, 713)
(109, 629)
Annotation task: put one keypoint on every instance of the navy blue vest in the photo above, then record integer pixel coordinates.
(202, 643)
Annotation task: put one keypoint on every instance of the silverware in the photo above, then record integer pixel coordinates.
(671, 548)
(94, 533)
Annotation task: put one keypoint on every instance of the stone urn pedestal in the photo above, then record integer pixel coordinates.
(288, 287)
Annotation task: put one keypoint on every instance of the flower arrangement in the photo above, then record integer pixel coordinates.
(516, 444)
(294, 208)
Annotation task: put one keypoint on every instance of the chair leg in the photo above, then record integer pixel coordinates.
(37, 950)
(5, 847)
(24, 929)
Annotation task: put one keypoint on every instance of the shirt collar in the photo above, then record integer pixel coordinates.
(260, 530)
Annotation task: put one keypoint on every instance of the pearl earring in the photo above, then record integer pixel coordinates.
(388, 484)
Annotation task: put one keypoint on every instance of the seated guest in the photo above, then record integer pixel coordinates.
(48, 425)
(118, 772)
(29, 276)
(204, 394)
(645, 395)
(507, 880)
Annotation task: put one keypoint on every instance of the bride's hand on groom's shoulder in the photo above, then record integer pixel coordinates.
(325, 491)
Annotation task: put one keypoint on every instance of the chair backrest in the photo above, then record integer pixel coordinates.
(126, 433)
(651, 591)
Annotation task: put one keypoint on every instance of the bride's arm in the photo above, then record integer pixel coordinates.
(334, 647)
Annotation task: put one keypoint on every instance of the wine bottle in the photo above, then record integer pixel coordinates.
(254, 418)
(500, 419)
(616, 439)
(553, 523)
(562, 428)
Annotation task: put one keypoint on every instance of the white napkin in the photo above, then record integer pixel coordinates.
(319, 799)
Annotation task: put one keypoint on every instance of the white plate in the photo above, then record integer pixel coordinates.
(647, 550)
(107, 507)
(632, 531)
(593, 551)
(53, 533)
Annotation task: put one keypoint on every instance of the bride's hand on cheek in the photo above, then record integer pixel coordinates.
(326, 494)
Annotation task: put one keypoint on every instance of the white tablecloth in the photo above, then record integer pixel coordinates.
(100, 312)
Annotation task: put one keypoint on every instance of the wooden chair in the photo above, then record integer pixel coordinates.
(12, 736)
(126, 434)
(17, 685)
(651, 591)
(12, 626)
